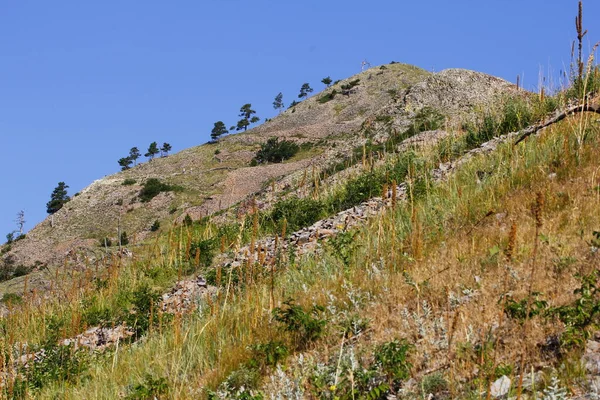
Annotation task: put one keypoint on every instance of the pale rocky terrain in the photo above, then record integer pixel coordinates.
(213, 182)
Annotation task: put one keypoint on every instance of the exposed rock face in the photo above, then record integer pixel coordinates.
(457, 91)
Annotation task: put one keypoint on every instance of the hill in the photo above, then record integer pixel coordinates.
(437, 238)
(386, 99)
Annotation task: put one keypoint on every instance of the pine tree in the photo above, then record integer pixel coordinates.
(152, 150)
(125, 163)
(326, 81)
(134, 154)
(305, 90)
(278, 103)
(218, 130)
(246, 112)
(58, 198)
(164, 150)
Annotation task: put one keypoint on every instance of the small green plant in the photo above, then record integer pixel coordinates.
(11, 299)
(392, 358)
(144, 300)
(10, 237)
(344, 246)
(433, 384)
(124, 239)
(187, 220)
(581, 316)
(297, 212)
(276, 151)
(206, 251)
(268, 354)
(155, 226)
(128, 182)
(105, 242)
(151, 389)
(518, 309)
(152, 187)
(305, 326)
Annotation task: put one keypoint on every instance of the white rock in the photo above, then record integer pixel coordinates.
(500, 387)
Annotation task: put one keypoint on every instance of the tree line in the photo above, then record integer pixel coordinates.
(134, 154)
(248, 117)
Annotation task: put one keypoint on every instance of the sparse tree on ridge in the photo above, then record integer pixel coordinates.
(304, 91)
(218, 130)
(246, 112)
(134, 154)
(165, 149)
(125, 163)
(58, 198)
(326, 81)
(278, 103)
(152, 150)
(20, 221)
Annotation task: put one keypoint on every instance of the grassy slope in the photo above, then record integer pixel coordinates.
(438, 260)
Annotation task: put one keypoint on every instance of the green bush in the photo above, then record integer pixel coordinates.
(128, 182)
(124, 239)
(152, 187)
(152, 388)
(426, 119)
(268, 354)
(155, 226)
(392, 358)
(206, 249)
(105, 242)
(275, 151)
(327, 97)
(143, 299)
(11, 299)
(305, 326)
(299, 213)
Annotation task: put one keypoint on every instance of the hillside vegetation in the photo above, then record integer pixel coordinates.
(401, 234)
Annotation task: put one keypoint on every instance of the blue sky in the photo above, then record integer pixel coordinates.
(81, 82)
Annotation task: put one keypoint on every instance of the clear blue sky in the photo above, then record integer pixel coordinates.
(81, 82)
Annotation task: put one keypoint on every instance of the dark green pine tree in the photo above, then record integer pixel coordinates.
(305, 90)
(165, 149)
(218, 130)
(248, 117)
(278, 103)
(152, 150)
(125, 163)
(326, 81)
(58, 198)
(134, 154)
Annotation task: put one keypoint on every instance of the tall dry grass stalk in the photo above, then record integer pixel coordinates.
(537, 211)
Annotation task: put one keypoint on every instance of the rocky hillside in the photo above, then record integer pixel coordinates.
(214, 177)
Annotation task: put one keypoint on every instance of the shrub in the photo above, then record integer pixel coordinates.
(11, 299)
(128, 182)
(155, 226)
(299, 213)
(305, 326)
(206, 249)
(152, 187)
(426, 119)
(124, 239)
(187, 221)
(327, 97)
(144, 299)
(392, 358)
(151, 389)
(275, 151)
(105, 242)
(268, 354)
